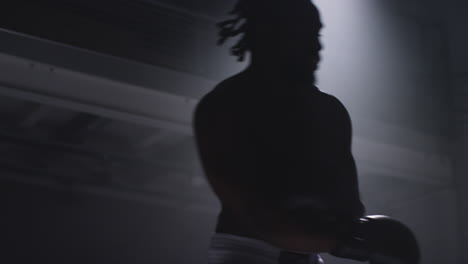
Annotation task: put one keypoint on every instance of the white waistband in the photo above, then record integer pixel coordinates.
(232, 249)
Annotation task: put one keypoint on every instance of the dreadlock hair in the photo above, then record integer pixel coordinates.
(247, 13)
(235, 27)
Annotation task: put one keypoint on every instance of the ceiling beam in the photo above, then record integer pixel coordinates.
(94, 95)
(154, 139)
(75, 131)
(151, 105)
(35, 114)
(161, 197)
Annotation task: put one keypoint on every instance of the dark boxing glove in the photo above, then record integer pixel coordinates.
(379, 240)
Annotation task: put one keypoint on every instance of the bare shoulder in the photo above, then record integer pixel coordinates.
(333, 106)
(332, 101)
(334, 116)
(220, 93)
(216, 104)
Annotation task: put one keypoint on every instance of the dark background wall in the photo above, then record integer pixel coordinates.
(63, 225)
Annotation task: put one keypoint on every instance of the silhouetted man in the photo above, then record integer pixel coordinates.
(275, 149)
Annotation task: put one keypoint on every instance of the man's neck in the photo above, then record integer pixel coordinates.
(278, 74)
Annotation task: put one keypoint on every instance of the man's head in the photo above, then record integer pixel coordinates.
(276, 32)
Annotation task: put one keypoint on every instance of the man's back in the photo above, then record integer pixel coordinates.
(286, 147)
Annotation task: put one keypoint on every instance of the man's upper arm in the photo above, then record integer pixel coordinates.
(217, 134)
(337, 125)
(205, 125)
